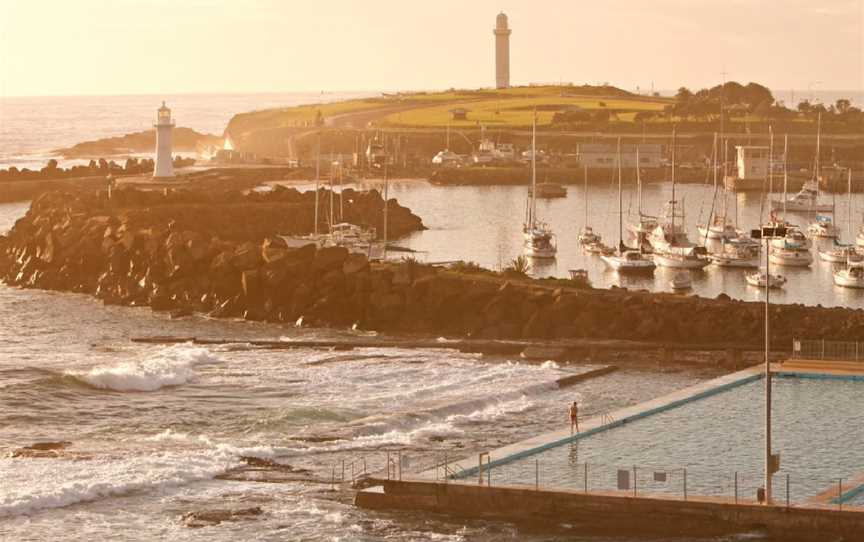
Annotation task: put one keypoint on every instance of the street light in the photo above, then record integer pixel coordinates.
(772, 462)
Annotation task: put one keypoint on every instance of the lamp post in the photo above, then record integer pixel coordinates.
(767, 233)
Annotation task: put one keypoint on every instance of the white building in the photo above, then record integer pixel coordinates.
(752, 162)
(502, 51)
(164, 128)
(604, 156)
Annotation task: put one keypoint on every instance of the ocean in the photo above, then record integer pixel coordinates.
(31, 128)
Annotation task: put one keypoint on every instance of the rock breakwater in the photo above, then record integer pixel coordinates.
(221, 254)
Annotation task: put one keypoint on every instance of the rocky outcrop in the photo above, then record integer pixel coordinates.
(220, 253)
(184, 140)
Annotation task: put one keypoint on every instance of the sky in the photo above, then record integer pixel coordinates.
(107, 47)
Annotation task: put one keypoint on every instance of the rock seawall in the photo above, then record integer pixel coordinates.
(219, 253)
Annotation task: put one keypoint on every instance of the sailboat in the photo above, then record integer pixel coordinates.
(626, 260)
(794, 249)
(839, 253)
(718, 226)
(539, 240)
(807, 199)
(671, 246)
(641, 230)
(587, 236)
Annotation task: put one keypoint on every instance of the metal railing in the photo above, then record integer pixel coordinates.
(818, 349)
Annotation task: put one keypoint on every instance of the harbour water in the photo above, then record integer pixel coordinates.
(483, 225)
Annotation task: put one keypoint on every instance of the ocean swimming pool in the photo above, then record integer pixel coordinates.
(709, 446)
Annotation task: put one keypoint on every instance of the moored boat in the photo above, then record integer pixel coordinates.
(761, 279)
(852, 276)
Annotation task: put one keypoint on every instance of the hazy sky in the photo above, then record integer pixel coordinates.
(167, 46)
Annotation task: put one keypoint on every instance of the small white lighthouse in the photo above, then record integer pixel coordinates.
(164, 128)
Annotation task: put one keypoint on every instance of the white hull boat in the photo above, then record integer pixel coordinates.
(688, 258)
(859, 239)
(852, 276)
(762, 280)
(630, 262)
(718, 232)
(790, 257)
(823, 228)
(840, 254)
(681, 281)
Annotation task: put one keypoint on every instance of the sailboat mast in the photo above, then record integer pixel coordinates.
(386, 195)
(818, 150)
(849, 204)
(673, 179)
(785, 171)
(317, 180)
(331, 191)
(638, 185)
(585, 176)
(620, 203)
(533, 171)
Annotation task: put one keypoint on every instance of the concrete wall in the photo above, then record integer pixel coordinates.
(618, 514)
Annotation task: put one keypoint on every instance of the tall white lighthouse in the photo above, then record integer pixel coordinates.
(164, 128)
(502, 51)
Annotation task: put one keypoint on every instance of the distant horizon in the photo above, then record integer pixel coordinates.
(664, 92)
(138, 47)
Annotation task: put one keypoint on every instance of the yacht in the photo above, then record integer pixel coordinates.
(823, 227)
(539, 240)
(737, 252)
(641, 230)
(839, 253)
(718, 229)
(852, 276)
(807, 199)
(718, 226)
(692, 257)
(761, 279)
(551, 190)
(626, 260)
(790, 254)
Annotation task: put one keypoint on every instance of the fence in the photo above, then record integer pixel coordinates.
(827, 350)
(735, 486)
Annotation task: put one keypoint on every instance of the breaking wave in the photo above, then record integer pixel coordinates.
(171, 366)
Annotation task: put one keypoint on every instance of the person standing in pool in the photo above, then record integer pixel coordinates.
(574, 417)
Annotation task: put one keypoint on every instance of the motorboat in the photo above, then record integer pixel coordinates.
(761, 279)
(681, 281)
(694, 257)
(790, 255)
(852, 276)
(839, 253)
(805, 201)
(823, 227)
(551, 190)
(737, 252)
(794, 238)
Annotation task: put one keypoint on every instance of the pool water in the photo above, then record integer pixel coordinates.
(816, 430)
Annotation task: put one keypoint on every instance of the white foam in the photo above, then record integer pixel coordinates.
(170, 366)
(549, 364)
(55, 483)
